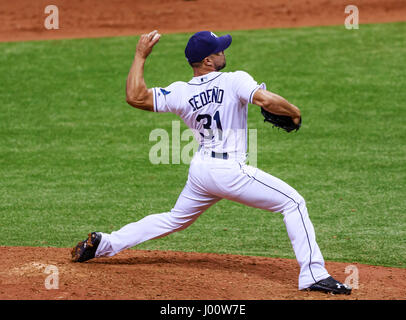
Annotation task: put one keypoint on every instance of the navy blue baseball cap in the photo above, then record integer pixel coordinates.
(205, 43)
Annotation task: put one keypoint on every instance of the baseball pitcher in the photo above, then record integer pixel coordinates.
(214, 105)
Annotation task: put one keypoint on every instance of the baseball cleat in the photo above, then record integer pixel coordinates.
(330, 285)
(86, 249)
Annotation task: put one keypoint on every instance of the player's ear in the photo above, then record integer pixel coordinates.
(208, 61)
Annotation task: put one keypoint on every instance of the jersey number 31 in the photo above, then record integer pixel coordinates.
(208, 132)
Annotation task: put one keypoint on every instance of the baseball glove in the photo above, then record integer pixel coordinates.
(284, 122)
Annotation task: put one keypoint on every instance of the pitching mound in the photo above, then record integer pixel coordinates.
(47, 273)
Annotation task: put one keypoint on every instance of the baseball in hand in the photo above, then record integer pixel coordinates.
(156, 37)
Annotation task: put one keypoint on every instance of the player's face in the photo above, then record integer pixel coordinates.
(219, 60)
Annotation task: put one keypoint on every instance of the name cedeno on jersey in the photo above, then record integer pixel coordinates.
(214, 95)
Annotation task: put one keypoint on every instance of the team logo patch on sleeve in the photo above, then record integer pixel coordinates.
(164, 92)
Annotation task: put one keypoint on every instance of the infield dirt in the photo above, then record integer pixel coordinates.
(168, 275)
(24, 19)
(139, 274)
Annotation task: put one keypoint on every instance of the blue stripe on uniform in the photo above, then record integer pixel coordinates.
(155, 101)
(252, 92)
(199, 84)
(301, 216)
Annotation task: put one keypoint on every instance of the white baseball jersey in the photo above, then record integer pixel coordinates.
(214, 106)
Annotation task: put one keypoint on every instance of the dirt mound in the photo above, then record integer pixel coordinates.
(24, 19)
(47, 273)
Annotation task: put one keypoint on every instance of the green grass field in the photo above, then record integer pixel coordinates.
(74, 155)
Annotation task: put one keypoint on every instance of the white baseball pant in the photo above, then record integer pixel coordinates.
(210, 180)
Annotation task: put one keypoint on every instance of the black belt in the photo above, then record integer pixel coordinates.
(218, 155)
